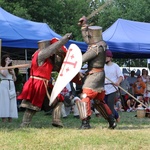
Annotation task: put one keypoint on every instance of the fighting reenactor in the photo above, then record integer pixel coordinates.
(49, 57)
(93, 87)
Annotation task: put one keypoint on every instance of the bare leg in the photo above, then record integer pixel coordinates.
(9, 119)
(3, 119)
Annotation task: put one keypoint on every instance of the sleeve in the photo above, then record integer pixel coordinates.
(119, 72)
(90, 54)
(68, 87)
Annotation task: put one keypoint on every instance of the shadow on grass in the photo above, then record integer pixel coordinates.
(42, 121)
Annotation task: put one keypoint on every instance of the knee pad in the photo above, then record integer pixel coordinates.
(83, 95)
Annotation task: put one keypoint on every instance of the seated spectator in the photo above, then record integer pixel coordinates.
(142, 100)
(118, 105)
(69, 104)
(131, 104)
(147, 101)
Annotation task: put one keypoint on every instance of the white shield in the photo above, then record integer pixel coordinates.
(69, 69)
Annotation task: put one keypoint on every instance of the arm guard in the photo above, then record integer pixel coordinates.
(50, 50)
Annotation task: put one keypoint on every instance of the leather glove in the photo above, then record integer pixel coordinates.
(69, 35)
(82, 21)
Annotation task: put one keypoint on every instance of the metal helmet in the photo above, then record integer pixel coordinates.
(94, 34)
(43, 43)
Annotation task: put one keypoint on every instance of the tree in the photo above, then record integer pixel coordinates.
(63, 15)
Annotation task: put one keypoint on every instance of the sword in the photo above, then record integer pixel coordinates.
(99, 9)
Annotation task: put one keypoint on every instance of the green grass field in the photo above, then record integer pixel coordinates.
(131, 133)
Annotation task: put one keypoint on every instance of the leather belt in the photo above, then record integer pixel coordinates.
(94, 70)
(45, 83)
(8, 81)
(39, 78)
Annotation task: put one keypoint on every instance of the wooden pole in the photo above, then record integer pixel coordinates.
(127, 93)
(15, 66)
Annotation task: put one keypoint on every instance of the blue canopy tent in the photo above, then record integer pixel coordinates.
(128, 39)
(20, 34)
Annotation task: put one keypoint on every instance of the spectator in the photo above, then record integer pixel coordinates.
(125, 85)
(118, 105)
(69, 92)
(131, 104)
(139, 88)
(113, 72)
(132, 79)
(8, 104)
(145, 77)
(146, 80)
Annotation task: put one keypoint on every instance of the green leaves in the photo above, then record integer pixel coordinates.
(63, 15)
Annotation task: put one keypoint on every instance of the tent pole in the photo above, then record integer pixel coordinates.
(147, 64)
(0, 50)
(130, 65)
(26, 63)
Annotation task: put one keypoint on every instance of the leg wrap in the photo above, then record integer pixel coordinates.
(27, 117)
(57, 115)
(102, 108)
(105, 112)
(82, 107)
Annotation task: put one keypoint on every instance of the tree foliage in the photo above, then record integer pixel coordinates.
(63, 15)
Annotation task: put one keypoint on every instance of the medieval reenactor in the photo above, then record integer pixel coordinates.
(46, 59)
(93, 87)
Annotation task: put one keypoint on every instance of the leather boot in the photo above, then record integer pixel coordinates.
(27, 117)
(112, 123)
(57, 115)
(85, 123)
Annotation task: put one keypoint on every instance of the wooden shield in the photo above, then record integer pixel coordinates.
(69, 69)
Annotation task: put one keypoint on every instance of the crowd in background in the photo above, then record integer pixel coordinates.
(137, 85)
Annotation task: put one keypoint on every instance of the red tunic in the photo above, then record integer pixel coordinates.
(34, 89)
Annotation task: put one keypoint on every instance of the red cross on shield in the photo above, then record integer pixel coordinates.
(69, 69)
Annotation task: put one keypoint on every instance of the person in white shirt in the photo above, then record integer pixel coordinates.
(114, 73)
